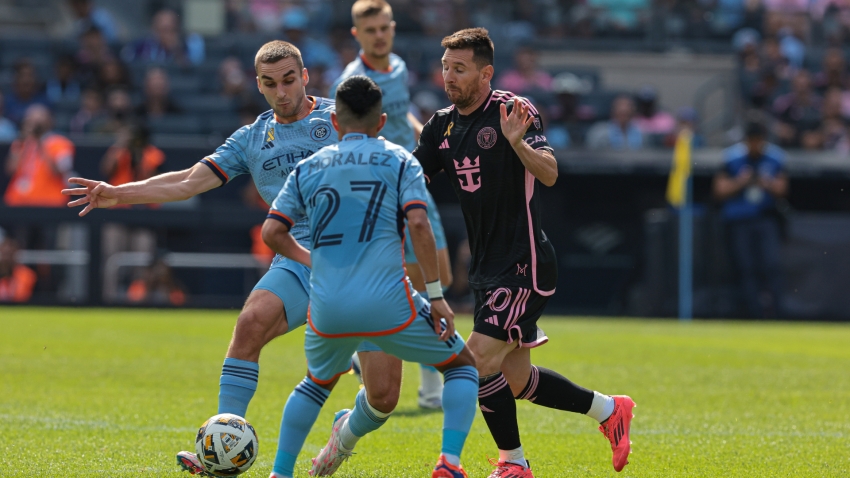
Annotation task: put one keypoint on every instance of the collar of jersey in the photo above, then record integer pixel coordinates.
(354, 137)
(369, 66)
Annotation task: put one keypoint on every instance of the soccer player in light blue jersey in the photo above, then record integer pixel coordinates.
(296, 126)
(374, 30)
(355, 195)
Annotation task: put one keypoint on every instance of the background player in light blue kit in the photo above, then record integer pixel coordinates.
(268, 150)
(355, 195)
(374, 30)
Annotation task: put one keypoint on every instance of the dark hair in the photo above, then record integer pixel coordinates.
(755, 129)
(475, 39)
(358, 100)
(274, 51)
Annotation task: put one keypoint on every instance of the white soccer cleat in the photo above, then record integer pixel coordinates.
(333, 454)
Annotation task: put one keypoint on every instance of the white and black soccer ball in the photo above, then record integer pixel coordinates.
(227, 445)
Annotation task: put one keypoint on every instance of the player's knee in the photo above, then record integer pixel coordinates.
(383, 396)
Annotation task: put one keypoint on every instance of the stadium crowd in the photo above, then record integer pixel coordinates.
(94, 77)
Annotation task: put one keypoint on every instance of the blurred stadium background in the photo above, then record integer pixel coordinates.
(154, 85)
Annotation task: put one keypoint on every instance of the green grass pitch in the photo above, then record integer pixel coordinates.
(114, 392)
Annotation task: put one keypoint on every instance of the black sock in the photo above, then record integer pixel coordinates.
(550, 389)
(498, 406)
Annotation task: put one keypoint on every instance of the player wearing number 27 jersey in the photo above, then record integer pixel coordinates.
(356, 195)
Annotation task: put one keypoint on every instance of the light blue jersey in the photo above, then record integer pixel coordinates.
(396, 97)
(355, 195)
(269, 150)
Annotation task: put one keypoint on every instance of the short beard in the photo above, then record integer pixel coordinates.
(465, 101)
(297, 107)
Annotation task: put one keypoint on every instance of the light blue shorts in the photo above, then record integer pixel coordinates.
(328, 358)
(290, 281)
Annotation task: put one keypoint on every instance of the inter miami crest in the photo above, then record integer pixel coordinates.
(487, 137)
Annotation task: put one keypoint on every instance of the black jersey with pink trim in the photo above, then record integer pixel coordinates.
(497, 194)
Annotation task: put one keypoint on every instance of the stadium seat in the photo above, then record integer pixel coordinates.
(176, 124)
(205, 104)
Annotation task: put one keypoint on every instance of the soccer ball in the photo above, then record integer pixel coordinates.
(227, 445)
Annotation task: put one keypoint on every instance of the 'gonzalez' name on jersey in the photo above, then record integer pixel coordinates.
(497, 194)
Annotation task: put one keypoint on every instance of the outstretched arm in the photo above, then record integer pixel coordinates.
(168, 187)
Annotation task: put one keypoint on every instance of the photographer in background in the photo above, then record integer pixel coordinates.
(16, 280)
(752, 179)
(39, 162)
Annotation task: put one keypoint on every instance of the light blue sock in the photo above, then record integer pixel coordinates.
(460, 400)
(300, 413)
(237, 385)
(362, 420)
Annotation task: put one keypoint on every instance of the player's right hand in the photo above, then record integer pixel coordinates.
(96, 194)
(440, 310)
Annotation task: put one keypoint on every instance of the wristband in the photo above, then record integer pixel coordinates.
(434, 290)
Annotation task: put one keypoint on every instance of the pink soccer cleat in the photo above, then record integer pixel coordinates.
(445, 469)
(190, 462)
(616, 430)
(506, 469)
(333, 454)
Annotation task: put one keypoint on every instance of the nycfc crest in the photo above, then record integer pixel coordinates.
(487, 137)
(470, 169)
(320, 132)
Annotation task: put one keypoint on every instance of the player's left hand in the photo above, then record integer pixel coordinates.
(516, 124)
(440, 310)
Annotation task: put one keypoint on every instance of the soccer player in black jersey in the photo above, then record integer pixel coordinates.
(493, 148)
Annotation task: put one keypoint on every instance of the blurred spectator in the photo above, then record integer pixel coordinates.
(752, 178)
(773, 59)
(132, 157)
(39, 163)
(833, 72)
(26, 91)
(166, 43)
(792, 48)
(798, 113)
(621, 132)
(64, 85)
(112, 73)
(157, 101)
(238, 16)
(526, 75)
(294, 22)
(119, 110)
(650, 119)
(157, 286)
(237, 85)
(568, 110)
(92, 53)
(87, 15)
(91, 117)
(17, 281)
(765, 92)
(833, 129)
(8, 131)
(619, 15)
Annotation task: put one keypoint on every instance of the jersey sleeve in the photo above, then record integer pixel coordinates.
(426, 151)
(534, 137)
(412, 193)
(288, 207)
(231, 158)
